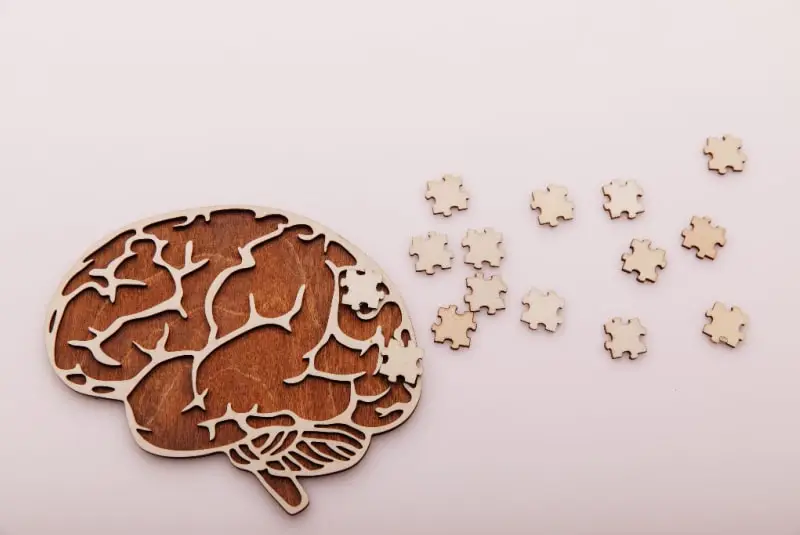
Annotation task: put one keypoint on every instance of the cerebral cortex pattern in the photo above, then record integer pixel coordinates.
(223, 330)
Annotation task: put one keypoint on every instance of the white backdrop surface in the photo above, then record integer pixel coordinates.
(341, 110)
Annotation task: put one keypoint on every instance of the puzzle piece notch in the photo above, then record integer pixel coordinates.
(553, 205)
(643, 259)
(726, 325)
(725, 153)
(485, 293)
(447, 193)
(484, 247)
(625, 337)
(543, 310)
(623, 198)
(362, 289)
(431, 252)
(703, 236)
(454, 326)
(401, 361)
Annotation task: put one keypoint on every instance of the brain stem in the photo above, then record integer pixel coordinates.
(285, 490)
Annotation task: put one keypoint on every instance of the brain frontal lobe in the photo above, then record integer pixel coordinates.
(224, 331)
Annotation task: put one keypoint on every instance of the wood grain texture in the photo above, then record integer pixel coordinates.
(166, 316)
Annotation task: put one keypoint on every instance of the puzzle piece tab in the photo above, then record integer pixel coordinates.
(399, 360)
(484, 246)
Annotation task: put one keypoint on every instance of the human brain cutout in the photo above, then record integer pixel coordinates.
(250, 332)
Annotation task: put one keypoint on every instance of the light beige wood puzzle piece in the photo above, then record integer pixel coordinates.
(486, 292)
(401, 361)
(484, 246)
(553, 205)
(726, 325)
(625, 338)
(644, 260)
(703, 236)
(431, 252)
(447, 193)
(725, 153)
(362, 289)
(454, 326)
(543, 310)
(623, 198)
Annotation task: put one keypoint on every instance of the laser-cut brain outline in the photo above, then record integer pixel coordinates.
(277, 446)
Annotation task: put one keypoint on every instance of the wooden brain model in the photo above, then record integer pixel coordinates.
(245, 331)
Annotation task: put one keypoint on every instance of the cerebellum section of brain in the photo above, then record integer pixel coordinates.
(222, 330)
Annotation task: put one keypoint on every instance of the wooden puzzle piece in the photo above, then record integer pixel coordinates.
(447, 193)
(553, 205)
(486, 292)
(727, 324)
(703, 236)
(625, 338)
(544, 309)
(644, 259)
(454, 326)
(484, 247)
(623, 198)
(401, 361)
(431, 252)
(725, 153)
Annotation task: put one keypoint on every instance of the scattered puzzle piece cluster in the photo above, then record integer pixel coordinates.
(545, 309)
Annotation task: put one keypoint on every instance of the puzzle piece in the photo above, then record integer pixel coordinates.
(704, 237)
(726, 325)
(484, 246)
(486, 293)
(625, 337)
(362, 289)
(725, 154)
(623, 198)
(552, 205)
(644, 259)
(431, 251)
(454, 326)
(447, 193)
(543, 309)
(399, 360)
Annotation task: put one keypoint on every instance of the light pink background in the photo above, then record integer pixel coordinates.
(341, 110)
